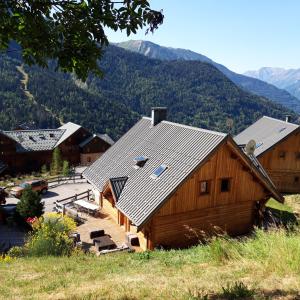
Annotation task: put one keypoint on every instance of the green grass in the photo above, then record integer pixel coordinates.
(263, 265)
(279, 206)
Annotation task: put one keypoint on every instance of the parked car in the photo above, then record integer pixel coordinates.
(40, 186)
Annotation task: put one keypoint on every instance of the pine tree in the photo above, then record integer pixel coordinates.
(56, 164)
(30, 204)
(66, 168)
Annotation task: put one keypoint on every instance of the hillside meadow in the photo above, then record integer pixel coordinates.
(265, 265)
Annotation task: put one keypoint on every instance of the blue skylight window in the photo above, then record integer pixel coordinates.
(258, 145)
(140, 158)
(158, 171)
(140, 161)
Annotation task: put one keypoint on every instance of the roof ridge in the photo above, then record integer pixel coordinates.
(278, 120)
(191, 127)
(32, 130)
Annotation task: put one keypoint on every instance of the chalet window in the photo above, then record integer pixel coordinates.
(225, 185)
(297, 155)
(204, 187)
(296, 179)
(282, 154)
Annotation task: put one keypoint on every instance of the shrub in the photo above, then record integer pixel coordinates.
(51, 236)
(44, 169)
(16, 252)
(237, 291)
(66, 168)
(30, 204)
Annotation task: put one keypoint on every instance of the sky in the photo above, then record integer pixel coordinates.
(240, 34)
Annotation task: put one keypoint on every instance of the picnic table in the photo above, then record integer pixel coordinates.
(104, 242)
(89, 207)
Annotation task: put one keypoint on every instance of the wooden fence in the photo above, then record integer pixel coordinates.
(60, 205)
(58, 180)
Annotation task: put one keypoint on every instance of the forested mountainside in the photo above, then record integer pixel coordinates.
(253, 85)
(288, 79)
(195, 93)
(15, 107)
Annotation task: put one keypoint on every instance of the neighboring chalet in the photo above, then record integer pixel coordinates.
(277, 149)
(27, 150)
(169, 182)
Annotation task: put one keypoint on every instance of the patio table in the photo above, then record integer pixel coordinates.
(90, 207)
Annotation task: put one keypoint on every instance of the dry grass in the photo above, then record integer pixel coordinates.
(265, 266)
(268, 264)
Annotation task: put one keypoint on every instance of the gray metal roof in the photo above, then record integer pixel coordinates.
(3, 166)
(103, 137)
(69, 129)
(266, 132)
(182, 148)
(35, 140)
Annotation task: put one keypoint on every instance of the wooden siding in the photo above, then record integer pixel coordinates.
(284, 171)
(88, 158)
(188, 210)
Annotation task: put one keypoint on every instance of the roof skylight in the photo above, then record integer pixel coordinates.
(258, 145)
(140, 160)
(158, 171)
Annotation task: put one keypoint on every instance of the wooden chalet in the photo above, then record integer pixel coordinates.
(168, 183)
(277, 149)
(27, 150)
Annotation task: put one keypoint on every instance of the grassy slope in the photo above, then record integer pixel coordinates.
(268, 263)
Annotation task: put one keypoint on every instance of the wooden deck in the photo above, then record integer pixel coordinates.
(105, 222)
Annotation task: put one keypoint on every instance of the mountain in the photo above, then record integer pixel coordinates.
(288, 79)
(195, 93)
(249, 84)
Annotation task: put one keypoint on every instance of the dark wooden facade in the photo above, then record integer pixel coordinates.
(227, 202)
(24, 162)
(282, 162)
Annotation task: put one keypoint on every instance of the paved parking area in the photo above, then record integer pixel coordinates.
(59, 192)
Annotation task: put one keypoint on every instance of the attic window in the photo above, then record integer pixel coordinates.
(258, 145)
(51, 135)
(31, 138)
(282, 129)
(158, 171)
(140, 160)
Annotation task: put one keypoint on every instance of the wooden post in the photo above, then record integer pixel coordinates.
(63, 210)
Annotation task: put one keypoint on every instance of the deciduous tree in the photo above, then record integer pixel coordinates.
(70, 31)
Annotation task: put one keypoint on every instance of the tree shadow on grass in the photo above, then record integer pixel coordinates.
(276, 217)
(243, 292)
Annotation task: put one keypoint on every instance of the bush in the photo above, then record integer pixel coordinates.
(237, 291)
(44, 169)
(16, 252)
(51, 236)
(30, 204)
